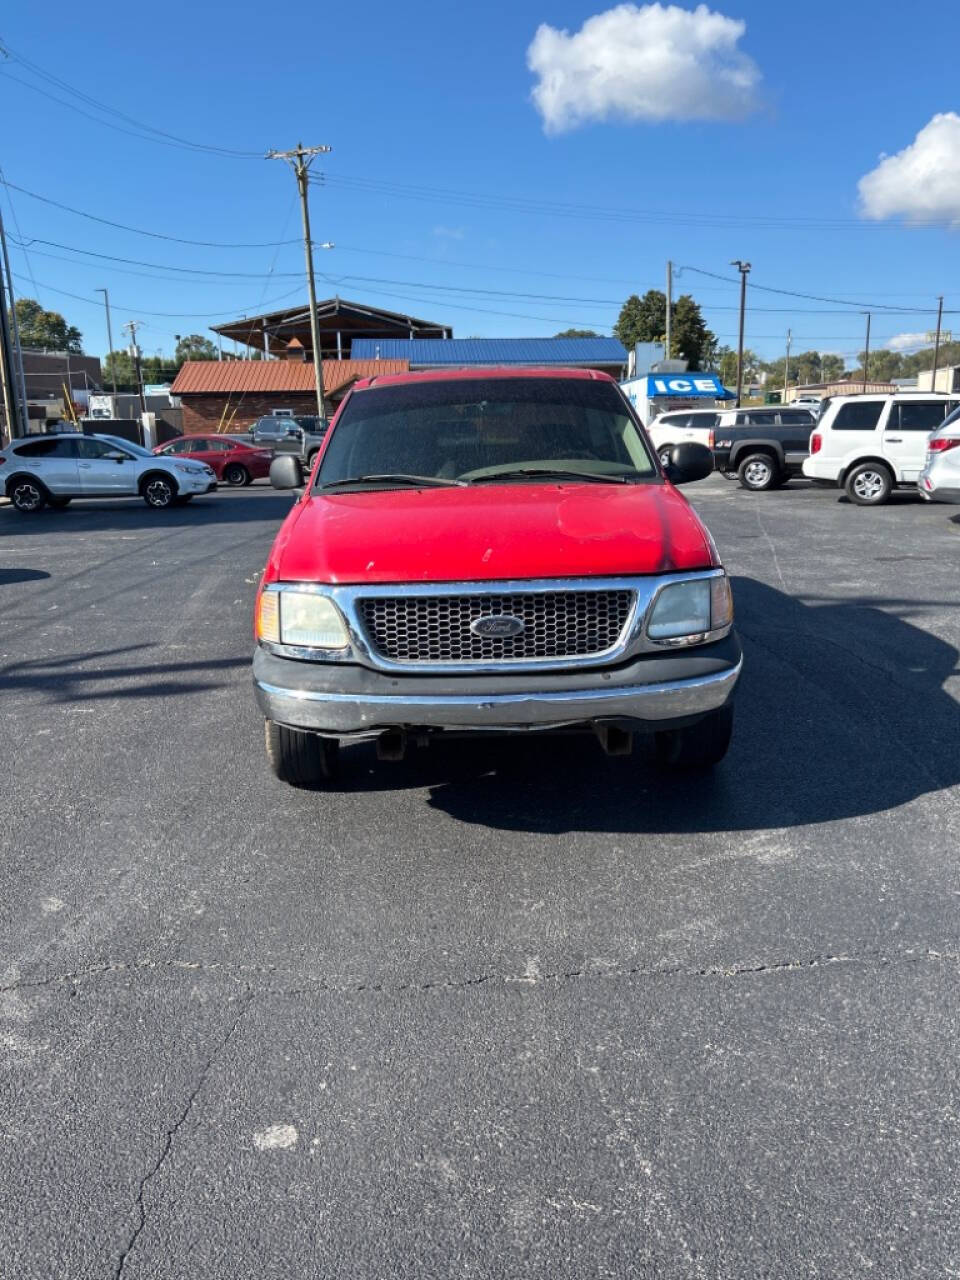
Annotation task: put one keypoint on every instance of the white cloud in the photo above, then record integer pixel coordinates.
(921, 183)
(449, 233)
(908, 342)
(648, 63)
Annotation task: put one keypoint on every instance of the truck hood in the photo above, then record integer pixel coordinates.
(557, 530)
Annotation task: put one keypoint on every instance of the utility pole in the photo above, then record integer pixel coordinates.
(786, 367)
(300, 159)
(11, 417)
(936, 346)
(132, 325)
(16, 361)
(744, 269)
(113, 366)
(669, 351)
(866, 355)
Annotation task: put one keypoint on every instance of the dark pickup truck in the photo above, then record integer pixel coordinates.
(763, 447)
(301, 437)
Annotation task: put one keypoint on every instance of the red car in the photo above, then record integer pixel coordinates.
(496, 549)
(234, 461)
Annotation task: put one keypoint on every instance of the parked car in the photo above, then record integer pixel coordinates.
(940, 478)
(38, 471)
(301, 437)
(764, 447)
(492, 550)
(681, 424)
(869, 445)
(231, 460)
(812, 403)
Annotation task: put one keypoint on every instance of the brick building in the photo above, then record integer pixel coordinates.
(230, 395)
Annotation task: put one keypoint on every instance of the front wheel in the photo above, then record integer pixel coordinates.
(27, 496)
(298, 758)
(158, 492)
(758, 472)
(312, 459)
(236, 474)
(698, 746)
(869, 485)
(663, 453)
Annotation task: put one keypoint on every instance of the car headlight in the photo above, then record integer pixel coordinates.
(686, 611)
(190, 470)
(301, 618)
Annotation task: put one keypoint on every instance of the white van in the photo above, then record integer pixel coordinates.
(870, 444)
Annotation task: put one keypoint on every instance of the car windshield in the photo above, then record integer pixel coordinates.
(128, 445)
(517, 430)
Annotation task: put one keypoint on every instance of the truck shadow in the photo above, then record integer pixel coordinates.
(260, 502)
(841, 712)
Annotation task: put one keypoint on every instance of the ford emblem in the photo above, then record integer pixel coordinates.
(500, 626)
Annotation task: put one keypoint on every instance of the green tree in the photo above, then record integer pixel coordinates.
(194, 347)
(45, 330)
(726, 365)
(831, 367)
(577, 333)
(645, 320)
(883, 365)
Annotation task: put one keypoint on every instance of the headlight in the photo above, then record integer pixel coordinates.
(193, 470)
(301, 618)
(686, 611)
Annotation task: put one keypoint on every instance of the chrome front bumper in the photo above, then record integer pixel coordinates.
(288, 693)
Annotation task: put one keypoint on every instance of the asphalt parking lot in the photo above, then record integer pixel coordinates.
(499, 1010)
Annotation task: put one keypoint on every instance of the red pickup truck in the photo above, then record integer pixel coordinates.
(493, 549)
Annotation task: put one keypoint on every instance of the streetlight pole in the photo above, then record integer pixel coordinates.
(936, 347)
(113, 368)
(786, 367)
(744, 269)
(866, 355)
(300, 160)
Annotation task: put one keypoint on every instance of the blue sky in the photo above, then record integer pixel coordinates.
(777, 124)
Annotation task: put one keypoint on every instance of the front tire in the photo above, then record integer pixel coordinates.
(698, 746)
(27, 496)
(312, 459)
(663, 453)
(758, 472)
(869, 485)
(236, 474)
(158, 492)
(298, 758)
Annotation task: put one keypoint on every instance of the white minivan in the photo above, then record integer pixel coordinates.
(870, 444)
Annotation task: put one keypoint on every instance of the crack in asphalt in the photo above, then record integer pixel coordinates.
(313, 983)
(168, 1142)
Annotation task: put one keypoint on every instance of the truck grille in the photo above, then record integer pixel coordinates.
(556, 624)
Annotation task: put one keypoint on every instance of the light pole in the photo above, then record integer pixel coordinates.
(744, 269)
(113, 363)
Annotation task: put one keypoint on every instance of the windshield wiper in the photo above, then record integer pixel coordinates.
(414, 482)
(562, 473)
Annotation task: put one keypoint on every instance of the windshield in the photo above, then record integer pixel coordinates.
(516, 430)
(128, 445)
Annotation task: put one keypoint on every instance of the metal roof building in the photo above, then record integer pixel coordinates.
(438, 353)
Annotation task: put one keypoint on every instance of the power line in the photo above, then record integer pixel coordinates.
(146, 131)
(166, 315)
(139, 231)
(813, 297)
(521, 204)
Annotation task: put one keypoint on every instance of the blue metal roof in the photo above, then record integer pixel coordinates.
(584, 352)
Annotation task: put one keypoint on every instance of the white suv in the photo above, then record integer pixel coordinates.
(678, 425)
(870, 444)
(39, 471)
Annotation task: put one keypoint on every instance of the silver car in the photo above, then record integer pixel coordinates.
(940, 478)
(52, 470)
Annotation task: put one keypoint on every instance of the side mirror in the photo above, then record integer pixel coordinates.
(286, 472)
(115, 456)
(689, 462)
